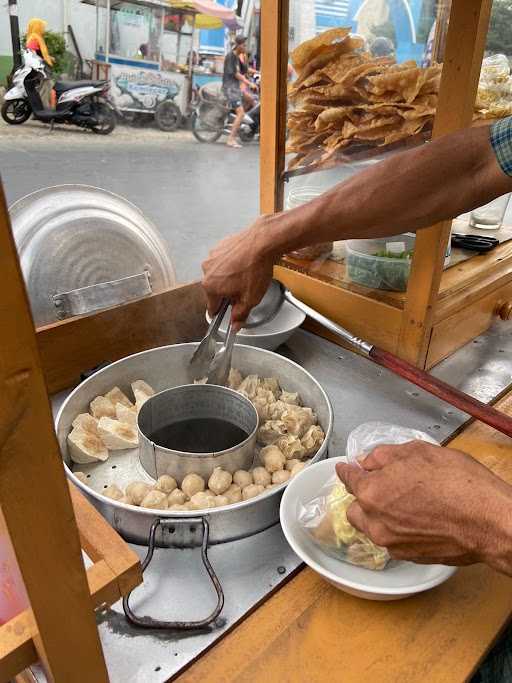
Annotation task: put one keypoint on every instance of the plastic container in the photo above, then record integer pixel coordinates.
(297, 197)
(368, 267)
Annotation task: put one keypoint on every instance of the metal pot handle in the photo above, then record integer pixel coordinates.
(102, 295)
(149, 622)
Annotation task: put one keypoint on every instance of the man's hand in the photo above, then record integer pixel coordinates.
(239, 269)
(431, 505)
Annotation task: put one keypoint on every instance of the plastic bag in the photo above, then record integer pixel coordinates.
(495, 68)
(362, 440)
(324, 517)
(495, 88)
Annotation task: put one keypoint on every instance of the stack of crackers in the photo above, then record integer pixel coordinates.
(345, 99)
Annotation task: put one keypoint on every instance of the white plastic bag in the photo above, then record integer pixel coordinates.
(494, 97)
(324, 518)
(495, 68)
(362, 440)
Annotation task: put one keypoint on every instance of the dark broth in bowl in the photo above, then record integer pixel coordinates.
(199, 435)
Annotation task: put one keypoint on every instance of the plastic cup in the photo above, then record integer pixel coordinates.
(490, 216)
(296, 198)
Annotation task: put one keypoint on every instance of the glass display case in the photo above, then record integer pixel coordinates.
(349, 87)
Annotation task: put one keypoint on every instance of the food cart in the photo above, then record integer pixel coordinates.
(442, 305)
(280, 621)
(143, 47)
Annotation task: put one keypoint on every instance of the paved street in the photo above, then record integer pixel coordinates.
(195, 194)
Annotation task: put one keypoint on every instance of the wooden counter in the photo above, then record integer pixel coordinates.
(310, 632)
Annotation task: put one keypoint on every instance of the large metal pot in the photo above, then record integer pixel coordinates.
(163, 368)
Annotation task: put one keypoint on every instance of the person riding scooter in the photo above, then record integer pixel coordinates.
(36, 42)
(232, 80)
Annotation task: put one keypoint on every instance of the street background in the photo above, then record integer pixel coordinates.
(195, 194)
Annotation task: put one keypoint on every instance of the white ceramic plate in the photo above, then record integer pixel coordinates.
(399, 580)
(270, 335)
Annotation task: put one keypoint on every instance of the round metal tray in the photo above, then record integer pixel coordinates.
(164, 368)
(72, 237)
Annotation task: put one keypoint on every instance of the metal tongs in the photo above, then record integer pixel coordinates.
(209, 362)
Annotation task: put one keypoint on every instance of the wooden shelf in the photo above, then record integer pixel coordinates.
(352, 154)
(470, 292)
(470, 275)
(335, 273)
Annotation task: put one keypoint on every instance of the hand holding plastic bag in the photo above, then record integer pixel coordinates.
(325, 516)
(365, 438)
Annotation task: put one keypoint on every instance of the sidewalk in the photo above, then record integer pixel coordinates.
(34, 129)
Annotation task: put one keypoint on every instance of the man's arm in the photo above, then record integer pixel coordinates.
(404, 193)
(240, 77)
(431, 505)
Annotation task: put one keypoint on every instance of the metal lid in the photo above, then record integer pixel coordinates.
(82, 249)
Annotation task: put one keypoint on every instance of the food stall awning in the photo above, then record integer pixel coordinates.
(209, 14)
(117, 4)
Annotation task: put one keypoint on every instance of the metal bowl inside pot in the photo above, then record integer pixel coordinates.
(196, 428)
(163, 368)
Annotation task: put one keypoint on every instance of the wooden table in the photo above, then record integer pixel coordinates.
(309, 631)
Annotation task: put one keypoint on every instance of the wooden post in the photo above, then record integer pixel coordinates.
(34, 495)
(465, 44)
(274, 78)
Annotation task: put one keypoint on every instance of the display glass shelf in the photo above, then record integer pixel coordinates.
(364, 83)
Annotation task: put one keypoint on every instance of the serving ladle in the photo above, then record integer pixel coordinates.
(277, 294)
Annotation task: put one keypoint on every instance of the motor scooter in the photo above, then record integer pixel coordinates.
(80, 103)
(212, 117)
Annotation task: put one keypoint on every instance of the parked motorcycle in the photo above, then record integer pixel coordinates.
(212, 117)
(80, 103)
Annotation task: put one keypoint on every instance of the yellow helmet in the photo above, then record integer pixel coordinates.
(37, 26)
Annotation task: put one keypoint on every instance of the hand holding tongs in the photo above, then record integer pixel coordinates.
(207, 361)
